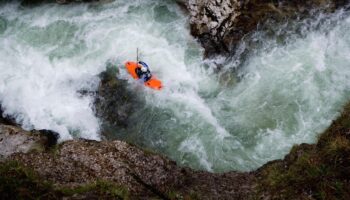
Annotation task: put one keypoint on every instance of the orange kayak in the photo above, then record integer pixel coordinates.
(153, 83)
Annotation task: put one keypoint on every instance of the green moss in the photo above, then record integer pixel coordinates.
(173, 195)
(20, 182)
(101, 188)
(149, 152)
(55, 149)
(37, 148)
(194, 196)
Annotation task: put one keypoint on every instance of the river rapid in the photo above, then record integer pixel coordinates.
(285, 91)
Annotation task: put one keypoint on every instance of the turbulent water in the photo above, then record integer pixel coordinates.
(285, 92)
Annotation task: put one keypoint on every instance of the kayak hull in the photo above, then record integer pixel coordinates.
(153, 83)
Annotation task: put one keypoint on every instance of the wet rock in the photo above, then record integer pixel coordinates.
(114, 102)
(210, 20)
(51, 137)
(4, 119)
(219, 25)
(14, 139)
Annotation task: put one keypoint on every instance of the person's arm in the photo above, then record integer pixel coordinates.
(138, 72)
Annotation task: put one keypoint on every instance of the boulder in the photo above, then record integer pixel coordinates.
(113, 101)
(14, 139)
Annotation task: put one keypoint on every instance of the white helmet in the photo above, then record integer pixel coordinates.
(143, 69)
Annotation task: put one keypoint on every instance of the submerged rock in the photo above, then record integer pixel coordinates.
(114, 102)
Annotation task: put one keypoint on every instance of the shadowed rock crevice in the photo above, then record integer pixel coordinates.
(7, 120)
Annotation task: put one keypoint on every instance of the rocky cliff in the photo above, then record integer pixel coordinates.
(32, 168)
(220, 24)
(78, 168)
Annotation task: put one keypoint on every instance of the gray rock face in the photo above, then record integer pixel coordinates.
(114, 102)
(81, 161)
(212, 16)
(221, 24)
(210, 21)
(14, 140)
(145, 175)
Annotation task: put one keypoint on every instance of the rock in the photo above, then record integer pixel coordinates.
(6, 119)
(51, 137)
(221, 24)
(145, 175)
(209, 21)
(114, 102)
(14, 140)
(302, 174)
(79, 163)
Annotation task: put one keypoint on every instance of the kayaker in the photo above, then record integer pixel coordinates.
(143, 72)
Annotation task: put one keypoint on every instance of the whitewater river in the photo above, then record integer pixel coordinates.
(285, 92)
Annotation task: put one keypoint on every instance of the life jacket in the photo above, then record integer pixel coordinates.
(145, 76)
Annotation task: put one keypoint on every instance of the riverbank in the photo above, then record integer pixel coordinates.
(90, 169)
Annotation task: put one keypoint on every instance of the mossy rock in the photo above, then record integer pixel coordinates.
(20, 182)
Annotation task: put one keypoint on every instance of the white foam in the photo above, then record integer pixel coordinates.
(195, 147)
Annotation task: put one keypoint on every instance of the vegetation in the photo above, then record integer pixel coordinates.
(19, 182)
(320, 171)
(103, 189)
